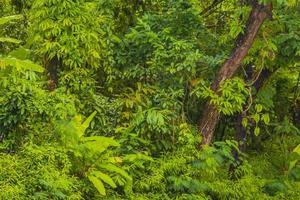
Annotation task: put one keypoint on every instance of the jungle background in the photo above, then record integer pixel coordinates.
(149, 99)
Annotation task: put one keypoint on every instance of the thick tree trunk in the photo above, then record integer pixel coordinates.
(211, 115)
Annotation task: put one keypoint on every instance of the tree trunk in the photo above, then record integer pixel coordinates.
(211, 115)
(295, 105)
(51, 67)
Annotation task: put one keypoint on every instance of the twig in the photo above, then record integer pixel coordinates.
(251, 100)
(256, 78)
(211, 7)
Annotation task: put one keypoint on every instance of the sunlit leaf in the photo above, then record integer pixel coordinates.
(98, 184)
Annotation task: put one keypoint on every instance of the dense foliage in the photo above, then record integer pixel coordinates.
(104, 99)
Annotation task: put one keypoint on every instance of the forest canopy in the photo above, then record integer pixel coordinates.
(149, 99)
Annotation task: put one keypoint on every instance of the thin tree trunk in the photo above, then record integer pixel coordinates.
(294, 106)
(214, 4)
(211, 115)
(51, 67)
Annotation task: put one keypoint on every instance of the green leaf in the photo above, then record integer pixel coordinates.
(10, 40)
(4, 20)
(98, 144)
(245, 122)
(297, 149)
(21, 64)
(105, 178)
(113, 168)
(280, 2)
(265, 118)
(98, 184)
(103, 141)
(258, 108)
(87, 122)
(256, 131)
(292, 165)
(256, 117)
(294, 162)
(291, 3)
(20, 53)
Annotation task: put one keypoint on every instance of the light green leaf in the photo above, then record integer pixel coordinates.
(4, 20)
(256, 131)
(87, 122)
(245, 122)
(105, 178)
(266, 118)
(297, 149)
(292, 164)
(21, 64)
(291, 3)
(103, 141)
(20, 53)
(258, 108)
(98, 144)
(98, 184)
(256, 117)
(113, 168)
(10, 40)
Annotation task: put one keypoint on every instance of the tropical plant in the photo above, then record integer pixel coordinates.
(91, 155)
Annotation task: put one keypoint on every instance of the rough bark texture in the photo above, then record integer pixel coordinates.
(211, 115)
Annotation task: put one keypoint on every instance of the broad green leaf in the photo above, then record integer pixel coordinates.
(98, 184)
(297, 149)
(292, 164)
(137, 156)
(94, 147)
(280, 1)
(266, 118)
(10, 40)
(113, 168)
(256, 117)
(4, 20)
(291, 3)
(256, 131)
(98, 144)
(103, 141)
(105, 178)
(245, 122)
(87, 122)
(20, 53)
(258, 108)
(21, 64)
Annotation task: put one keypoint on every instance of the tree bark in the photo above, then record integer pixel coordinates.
(211, 115)
(295, 105)
(51, 66)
